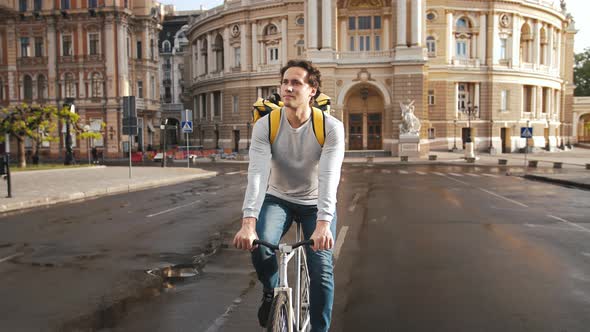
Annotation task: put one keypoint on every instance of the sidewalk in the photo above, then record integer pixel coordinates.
(41, 188)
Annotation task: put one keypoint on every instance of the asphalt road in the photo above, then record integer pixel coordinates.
(423, 248)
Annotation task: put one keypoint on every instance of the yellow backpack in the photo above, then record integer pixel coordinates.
(320, 108)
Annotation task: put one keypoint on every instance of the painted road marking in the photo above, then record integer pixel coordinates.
(570, 223)
(386, 171)
(7, 258)
(552, 227)
(340, 241)
(491, 175)
(450, 178)
(172, 209)
(504, 198)
(220, 321)
(233, 173)
(403, 172)
(421, 173)
(455, 174)
(472, 175)
(437, 173)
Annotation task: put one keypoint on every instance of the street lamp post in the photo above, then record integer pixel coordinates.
(163, 129)
(469, 149)
(492, 149)
(248, 136)
(87, 129)
(69, 157)
(455, 135)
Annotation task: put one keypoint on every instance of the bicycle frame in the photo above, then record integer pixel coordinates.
(286, 253)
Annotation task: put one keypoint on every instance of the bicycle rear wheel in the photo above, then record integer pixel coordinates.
(278, 320)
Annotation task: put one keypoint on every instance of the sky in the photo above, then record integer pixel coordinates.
(576, 7)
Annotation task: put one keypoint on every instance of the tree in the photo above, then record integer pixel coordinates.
(32, 121)
(582, 73)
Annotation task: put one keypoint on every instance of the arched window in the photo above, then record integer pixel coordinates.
(463, 38)
(166, 46)
(96, 85)
(204, 56)
(526, 43)
(544, 41)
(431, 45)
(41, 88)
(28, 88)
(218, 50)
(70, 86)
(463, 23)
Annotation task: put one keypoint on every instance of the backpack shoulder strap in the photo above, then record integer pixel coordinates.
(318, 119)
(274, 121)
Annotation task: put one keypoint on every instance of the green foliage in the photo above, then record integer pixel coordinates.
(582, 73)
(34, 121)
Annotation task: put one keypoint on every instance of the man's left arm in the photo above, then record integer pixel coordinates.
(330, 166)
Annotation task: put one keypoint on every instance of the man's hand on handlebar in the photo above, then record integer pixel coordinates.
(246, 235)
(322, 236)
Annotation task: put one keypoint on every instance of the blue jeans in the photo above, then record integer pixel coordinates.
(275, 219)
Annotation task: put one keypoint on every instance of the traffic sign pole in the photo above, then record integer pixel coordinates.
(188, 160)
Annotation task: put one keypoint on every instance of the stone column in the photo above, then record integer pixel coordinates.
(537, 43)
(417, 18)
(284, 42)
(344, 36)
(558, 57)
(496, 39)
(450, 38)
(515, 41)
(52, 59)
(254, 47)
(476, 98)
(312, 24)
(550, 47)
(482, 39)
(210, 56)
(327, 25)
(226, 50)
(456, 99)
(244, 47)
(402, 12)
(386, 43)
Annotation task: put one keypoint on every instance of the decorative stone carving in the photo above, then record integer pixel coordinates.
(504, 20)
(410, 123)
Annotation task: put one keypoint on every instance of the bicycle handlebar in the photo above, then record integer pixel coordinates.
(276, 247)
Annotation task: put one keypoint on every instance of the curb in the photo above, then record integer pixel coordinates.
(566, 183)
(101, 192)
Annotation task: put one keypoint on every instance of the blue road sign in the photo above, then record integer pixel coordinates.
(526, 132)
(187, 126)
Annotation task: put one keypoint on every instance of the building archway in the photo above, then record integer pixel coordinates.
(364, 107)
(584, 128)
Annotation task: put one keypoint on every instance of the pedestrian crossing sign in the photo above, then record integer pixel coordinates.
(187, 126)
(526, 132)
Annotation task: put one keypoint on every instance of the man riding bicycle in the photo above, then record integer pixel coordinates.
(292, 176)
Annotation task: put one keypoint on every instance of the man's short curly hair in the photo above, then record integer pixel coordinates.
(314, 77)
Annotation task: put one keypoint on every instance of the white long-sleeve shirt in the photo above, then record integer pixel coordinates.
(296, 168)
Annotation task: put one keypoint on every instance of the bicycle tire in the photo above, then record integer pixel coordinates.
(278, 320)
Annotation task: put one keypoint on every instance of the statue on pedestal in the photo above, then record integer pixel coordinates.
(410, 124)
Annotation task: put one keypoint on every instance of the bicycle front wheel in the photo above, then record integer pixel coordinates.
(279, 314)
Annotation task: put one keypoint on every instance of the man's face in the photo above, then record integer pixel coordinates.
(295, 91)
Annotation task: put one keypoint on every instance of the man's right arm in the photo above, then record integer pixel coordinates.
(258, 173)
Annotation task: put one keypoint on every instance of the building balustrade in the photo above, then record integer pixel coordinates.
(466, 62)
(172, 107)
(269, 68)
(344, 55)
(32, 61)
(93, 58)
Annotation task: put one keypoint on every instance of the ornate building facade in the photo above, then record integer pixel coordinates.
(479, 68)
(94, 51)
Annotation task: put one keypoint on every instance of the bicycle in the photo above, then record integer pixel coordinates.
(283, 317)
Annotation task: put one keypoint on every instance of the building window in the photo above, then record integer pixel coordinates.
(431, 46)
(22, 5)
(271, 29)
(38, 5)
(203, 108)
(527, 98)
(167, 95)
(96, 85)
(92, 3)
(96, 126)
(364, 22)
(24, 47)
(235, 104)
(139, 89)
(526, 44)
(216, 103)
(503, 43)
(300, 20)
(462, 97)
(166, 46)
(362, 43)
(352, 23)
(38, 46)
(462, 23)
(139, 50)
(151, 49)
(377, 43)
(352, 43)
(237, 57)
(70, 86)
(430, 97)
(376, 22)
(41, 87)
(300, 47)
(273, 54)
(431, 133)
(65, 4)
(504, 101)
(153, 87)
(66, 43)
(93, 44)
(461, 48)
(28, 88)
